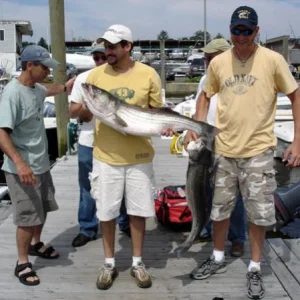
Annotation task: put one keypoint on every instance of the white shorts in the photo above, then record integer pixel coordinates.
(110, 183)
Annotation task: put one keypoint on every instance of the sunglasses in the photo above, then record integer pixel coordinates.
(244, 32)
(112, 46)
(102, 57)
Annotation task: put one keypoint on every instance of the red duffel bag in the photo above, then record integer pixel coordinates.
(171, 207)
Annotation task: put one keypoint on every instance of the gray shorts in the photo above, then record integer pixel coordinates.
(255, 178)
(30, 203)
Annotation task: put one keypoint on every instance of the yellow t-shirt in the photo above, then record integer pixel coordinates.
(246, 103)
(140, 86)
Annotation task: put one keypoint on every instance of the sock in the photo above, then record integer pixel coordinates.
(254, 265)
(219, 255)
(110, 261)
(136, 260)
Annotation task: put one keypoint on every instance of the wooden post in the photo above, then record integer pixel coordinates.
(162, 64)
(57, 27)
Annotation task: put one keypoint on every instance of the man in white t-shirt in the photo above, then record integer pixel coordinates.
(236, 233)
(87, 218)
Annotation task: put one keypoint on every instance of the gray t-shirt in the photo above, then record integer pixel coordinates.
(21, 110)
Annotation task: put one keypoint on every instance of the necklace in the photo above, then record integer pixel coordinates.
(243, 62)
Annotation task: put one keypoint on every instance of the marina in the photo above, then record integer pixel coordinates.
(178, 58)
(73, 275)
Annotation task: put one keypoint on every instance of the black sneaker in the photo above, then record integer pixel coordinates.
(81, 239)
(255, 285)
(208, 268)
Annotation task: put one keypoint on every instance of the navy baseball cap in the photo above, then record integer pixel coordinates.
(36, 53)
(244, 15)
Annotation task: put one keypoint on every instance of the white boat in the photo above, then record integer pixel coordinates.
(81, 62)
(283, 110)
(284, 123)
(136, 53)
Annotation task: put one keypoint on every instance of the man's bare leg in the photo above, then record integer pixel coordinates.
(24, 236)
(108, 237)
(137, 228)
(220, 230)
(257, 237)
(37, 232)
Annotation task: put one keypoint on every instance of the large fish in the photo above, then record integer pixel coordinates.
(131, 119)
(197, 180)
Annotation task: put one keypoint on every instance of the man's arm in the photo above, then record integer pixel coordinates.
(57, 88)
(202, 106)
(25, 173)
(79, 110)
(292, 154)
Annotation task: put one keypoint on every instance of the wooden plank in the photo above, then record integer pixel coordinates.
(290, 260)
(285, 277)
(73, 275)
(294, 246)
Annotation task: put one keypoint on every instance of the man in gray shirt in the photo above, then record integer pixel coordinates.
(26, 164)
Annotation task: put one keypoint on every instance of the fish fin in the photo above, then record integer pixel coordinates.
(165, 110)
(120, 121)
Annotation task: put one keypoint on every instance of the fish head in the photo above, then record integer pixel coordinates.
(96, 97)
(195, 149)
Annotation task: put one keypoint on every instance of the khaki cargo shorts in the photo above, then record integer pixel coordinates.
(255, 178)
(30, 204)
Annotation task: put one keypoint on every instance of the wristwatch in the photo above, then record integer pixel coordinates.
(65, 88)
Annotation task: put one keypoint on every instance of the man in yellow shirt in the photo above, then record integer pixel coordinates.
(247, 79)
(122, 164)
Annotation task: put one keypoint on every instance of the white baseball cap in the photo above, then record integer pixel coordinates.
(116, 33)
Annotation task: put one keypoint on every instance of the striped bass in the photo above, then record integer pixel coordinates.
(197, 180)
(135, 120)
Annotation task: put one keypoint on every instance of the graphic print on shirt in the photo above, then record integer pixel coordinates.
(123, 93)
(240, 83)
(3, 83)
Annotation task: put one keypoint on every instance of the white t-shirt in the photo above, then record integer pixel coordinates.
(211, 115)
(86, 136)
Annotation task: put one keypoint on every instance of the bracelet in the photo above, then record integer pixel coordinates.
(65, 88)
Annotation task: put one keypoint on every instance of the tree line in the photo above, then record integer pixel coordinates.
(197, 36)
(42, 42)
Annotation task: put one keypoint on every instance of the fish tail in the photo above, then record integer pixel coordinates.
(184, 247)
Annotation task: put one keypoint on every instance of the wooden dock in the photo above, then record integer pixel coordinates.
(73, 275)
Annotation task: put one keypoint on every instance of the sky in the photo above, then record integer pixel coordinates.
(146, 18)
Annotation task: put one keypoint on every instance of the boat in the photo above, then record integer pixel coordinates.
(283, 108)
(283, 127)
(81, 62)
(136, 53)
(51, 130)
